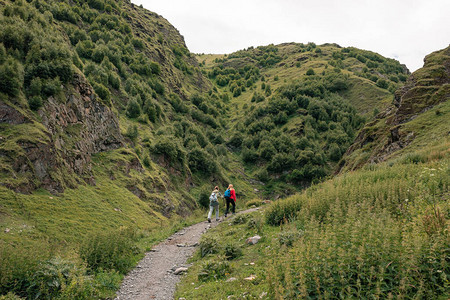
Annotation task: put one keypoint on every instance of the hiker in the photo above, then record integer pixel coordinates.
(230, 197)
(214, 203)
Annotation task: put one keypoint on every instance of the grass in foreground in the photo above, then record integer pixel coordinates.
(381, 232)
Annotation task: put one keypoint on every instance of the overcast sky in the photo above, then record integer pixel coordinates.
(406, 30)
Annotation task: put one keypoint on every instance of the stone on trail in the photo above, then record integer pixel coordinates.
(180, 270)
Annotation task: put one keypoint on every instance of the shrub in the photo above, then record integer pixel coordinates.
(200, 160)
(115, 250)
(282, 211)
(310, 72)
(170, 148)
(214, 270)
(61, 278)
(413, 158)
(208, 245)
(133, 109)
(11, 77)
(263, 175)
(203, 199)
(382, 83)
(232, 251)
(132, 132)
(236, 140)
(18, 264)
(35, 102)
(249, 155)
(51, 87)
(103, 92)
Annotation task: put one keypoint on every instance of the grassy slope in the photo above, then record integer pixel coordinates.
(366, 233)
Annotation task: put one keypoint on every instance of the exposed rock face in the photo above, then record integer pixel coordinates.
(86, 124)
(424, 89)
(74, 130)
(10, 115)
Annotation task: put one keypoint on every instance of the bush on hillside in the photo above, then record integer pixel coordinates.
(203, 199)
(133, 109)
(200, 160)
(11, 77)
(310, 72)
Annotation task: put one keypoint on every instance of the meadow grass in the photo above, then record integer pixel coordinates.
(380, 232)
(86, 238)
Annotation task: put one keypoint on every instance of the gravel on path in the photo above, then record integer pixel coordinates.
(153, 277)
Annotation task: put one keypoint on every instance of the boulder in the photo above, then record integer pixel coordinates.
(253, 240)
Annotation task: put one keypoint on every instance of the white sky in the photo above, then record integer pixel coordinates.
(406, 30)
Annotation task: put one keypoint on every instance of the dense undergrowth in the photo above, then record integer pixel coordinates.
(380, 232)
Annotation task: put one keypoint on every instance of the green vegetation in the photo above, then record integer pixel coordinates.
(379, 232)
(296, 124)
(78, 210)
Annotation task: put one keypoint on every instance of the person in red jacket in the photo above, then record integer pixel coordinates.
(230, 197)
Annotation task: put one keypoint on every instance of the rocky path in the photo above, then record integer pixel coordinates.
(155, 275)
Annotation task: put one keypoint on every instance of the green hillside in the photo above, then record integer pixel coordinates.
(107, 123)
(379, 231)
(112, 135)
(296, 108)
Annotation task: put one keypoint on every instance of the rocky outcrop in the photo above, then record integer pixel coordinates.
(59, 156)
(81, 127)
(424, 89)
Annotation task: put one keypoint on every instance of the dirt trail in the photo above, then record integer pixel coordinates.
(153, 277)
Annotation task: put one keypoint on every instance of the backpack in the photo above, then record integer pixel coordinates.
(227, 193)
(213, 198)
